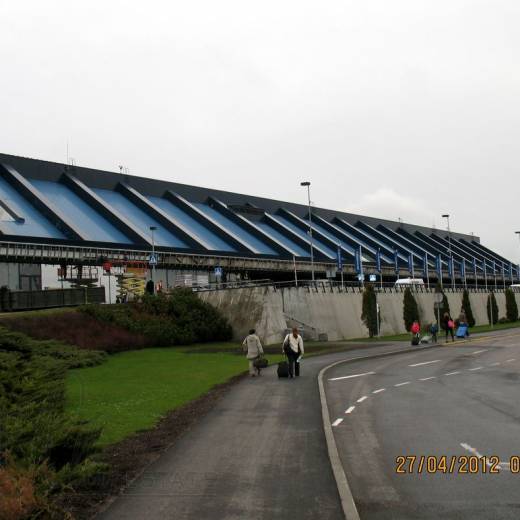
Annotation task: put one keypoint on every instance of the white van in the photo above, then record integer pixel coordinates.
(407, 282)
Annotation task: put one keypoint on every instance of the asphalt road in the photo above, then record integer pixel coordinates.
(259, 454)
(456, 400)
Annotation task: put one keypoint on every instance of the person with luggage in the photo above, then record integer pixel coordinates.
(463, 322)
(415, 330)
(253, 348)
(448, 325)
(293, 348)
(434, 329)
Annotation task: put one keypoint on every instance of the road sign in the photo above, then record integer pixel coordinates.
(373, 277)
(107, 266)
(152, 260)
(218, 272)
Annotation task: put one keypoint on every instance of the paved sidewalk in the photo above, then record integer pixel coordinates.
(260, 454)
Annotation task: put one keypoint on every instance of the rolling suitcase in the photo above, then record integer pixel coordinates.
(283, 369)
(462, 331)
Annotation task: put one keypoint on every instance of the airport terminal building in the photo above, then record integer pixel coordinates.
(79, 218)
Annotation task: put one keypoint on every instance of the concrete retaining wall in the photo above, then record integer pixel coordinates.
(338, 314)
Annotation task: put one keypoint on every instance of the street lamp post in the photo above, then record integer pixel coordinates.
(447, 217)
(152, 229)
(308, 185)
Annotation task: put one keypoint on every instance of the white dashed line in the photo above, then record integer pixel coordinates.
(479, 351)
(427, 378)
(476, 368)
(494, 364)
(510, 360)
(452, 373)
(350, 410)
(379, 390)
(361, 399)
(337, 422)
(425, 363)
(353, 375)
(405, 383)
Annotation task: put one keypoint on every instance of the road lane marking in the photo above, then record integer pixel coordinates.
(353, 375)
(479, 351)
(476, 368)
(424, 363)
(350, 410)
(510, 360)
(405, 383)
(337, 422)
(427, 378)
(361, 399)
(494, 364)
(379, 390)
(452, 373)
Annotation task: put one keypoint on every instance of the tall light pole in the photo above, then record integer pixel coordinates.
(308, 184)
(152, 229)
(447, 217)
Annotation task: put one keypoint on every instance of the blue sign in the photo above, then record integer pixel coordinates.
(396, 261)
(450, 267)
(475, 266)
(438, 265)
(359, 261)
(152, 260)
(340, 260)
(378, 260)
(463, 268)
(410, 263)
(425, 264)
(218, 272)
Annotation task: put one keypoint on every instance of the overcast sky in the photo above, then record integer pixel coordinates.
(403, 108)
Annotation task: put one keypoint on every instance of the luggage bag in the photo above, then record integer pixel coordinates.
(283, 369)
(462, 331)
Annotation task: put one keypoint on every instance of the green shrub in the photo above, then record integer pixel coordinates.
(369, 314)
(36, 435)
(410, 309)
(178, 318)
(466, 305)
(511, 306)
(492, 308)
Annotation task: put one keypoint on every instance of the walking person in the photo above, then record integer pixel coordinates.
(293, 348)
(434, 329)
(253, 347)
(448, 325)
(463, 320)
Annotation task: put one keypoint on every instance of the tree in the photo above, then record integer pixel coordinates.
(369, 314)
(410, 309)
(492, 308)
(511, 306)
(466, 305)
(445, 305)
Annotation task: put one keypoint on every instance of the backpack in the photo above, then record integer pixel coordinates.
(451, 325)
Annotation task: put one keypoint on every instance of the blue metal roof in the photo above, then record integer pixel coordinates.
(55, 203)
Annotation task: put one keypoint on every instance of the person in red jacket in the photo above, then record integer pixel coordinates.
(416, 328)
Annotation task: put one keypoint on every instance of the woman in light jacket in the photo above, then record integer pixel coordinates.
(292, 347)
(254, 349)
